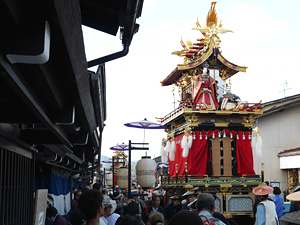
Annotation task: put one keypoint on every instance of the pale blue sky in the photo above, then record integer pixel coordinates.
(265, 39)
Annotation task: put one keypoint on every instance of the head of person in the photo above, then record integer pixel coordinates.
(205, 202)
(267, 183)
(191, 198)
(129, 220)
(155, 201)
(97, 186)
(76, 195)
(108, 205)
(91, 204)
(198, 190)
(51, 213)
(85, 188)
(156, 218)
(105, 191)
(175, 200)
(78, 218)
(277, 191)
(185, 217)
(118, 189)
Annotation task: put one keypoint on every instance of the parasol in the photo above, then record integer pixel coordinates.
(121, 147)
(144, 124)
(293, 217)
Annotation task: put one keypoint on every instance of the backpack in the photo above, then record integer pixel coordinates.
(207, 221)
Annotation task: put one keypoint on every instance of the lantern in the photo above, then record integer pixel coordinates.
(108, 179)
(122, 177)
(145, 169)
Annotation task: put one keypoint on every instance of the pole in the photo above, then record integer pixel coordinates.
(113, 177)
(129, 170)
(104, 177)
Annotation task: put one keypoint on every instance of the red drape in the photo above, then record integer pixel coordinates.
(197, 158)
(244, 155)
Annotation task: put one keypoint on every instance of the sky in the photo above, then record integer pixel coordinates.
(265, 39)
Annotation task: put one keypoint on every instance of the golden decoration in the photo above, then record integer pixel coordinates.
(249, 119)
(212, 15)
(256, 131)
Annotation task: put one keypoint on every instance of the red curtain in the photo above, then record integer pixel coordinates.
(244, 155)
(197, 158)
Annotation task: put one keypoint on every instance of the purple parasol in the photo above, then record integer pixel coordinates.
(144, 124)
(121, 147)
(106, 161)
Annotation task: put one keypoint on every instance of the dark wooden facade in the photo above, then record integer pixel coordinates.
(52, 108)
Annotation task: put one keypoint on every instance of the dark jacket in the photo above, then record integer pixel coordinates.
(160, 209)
(59, 220)
(171, 210)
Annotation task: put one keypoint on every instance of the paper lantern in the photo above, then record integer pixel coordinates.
(122, 177)
(108, 179)
(145, 169)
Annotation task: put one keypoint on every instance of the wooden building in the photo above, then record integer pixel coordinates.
(52, 108)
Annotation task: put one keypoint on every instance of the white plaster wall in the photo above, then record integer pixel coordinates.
(279, 131)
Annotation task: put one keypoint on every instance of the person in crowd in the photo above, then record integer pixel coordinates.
(278, 201)
(109, 217)
(161, 196)
(172, 208)
(74, 189)
(78, 218)
(133, 208)
(257, 201)
(105, 191)
(75, 200)
(120, 204)
(189, 197)
(205, 206)
(129, 220)
(217, 215)
(125, 196)
(155, 207)
(266, 210)
(118, 189)
(85, 188)
(53, 216)
(185, 217)
(198, 190)
(295, 205)
(92, 205)
(156, 219)
(98, 187)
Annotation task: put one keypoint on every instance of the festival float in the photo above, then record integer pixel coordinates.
(209, 135)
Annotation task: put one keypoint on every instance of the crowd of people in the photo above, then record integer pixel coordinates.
(98, 205)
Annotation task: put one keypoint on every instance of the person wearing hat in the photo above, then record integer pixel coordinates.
(190, 197)
(78, 218)
(120, 204)
(109, 217)
(172, 208)
(266, 210)
(295, 205)
(133, 208)
(198, 190)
